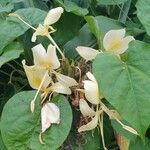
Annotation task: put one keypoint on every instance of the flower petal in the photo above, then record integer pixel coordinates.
(89, 126)
(35, 76)
(53, 16)
(91, 92)
(91, 76)
(125, 43)
(39, 55)
(59, 88)
(52, 56)
(112, 38)
(49, 114)
(87, 53)
(33, 39)
(40, 30)
(85, 109)
(65, 80)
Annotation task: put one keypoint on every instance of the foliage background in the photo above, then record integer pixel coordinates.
(84, 23)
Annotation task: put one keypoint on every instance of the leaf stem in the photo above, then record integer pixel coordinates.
(124, 11)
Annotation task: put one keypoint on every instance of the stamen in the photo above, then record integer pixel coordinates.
(16, 15)
(102, 130)
(32, 105)
(111, 115)
(40, 138)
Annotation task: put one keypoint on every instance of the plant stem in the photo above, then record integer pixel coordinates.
(53, 42)
(124, 11)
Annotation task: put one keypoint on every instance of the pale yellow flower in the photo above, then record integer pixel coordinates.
(35, 76)
(87, 111)
(93, 96)
(91, 89)
(66, 80)
(51, 18)
(43, 59)
(50, 114)
(87, 53)
(115, 41)
(59, 88)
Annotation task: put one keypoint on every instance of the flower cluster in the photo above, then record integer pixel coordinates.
(47, 76)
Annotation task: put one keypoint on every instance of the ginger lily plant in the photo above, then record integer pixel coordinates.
(47, 77)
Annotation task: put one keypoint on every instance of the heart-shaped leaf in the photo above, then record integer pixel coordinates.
(126, 85)
(20, 128)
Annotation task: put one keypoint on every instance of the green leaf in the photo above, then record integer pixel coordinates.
(73, 7)
(126, 85)
(4, 2)
(67, 27)
(12, 51)
(13, 27)
(139, 145)
(20, 128)
(111, 2)
(143, 6)
(85, 37)
(94, 27)
(7, 8)
(118, 128)
(92, 142)
(3, 147)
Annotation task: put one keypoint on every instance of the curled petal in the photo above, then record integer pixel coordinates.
(52, 57)
(87, 53)
(65, 80)
(35, 76)
(53, 16)
(124, 45)
(85, 109)
(33, 39)
(130, 129)
(89, 126)
(49, 114)
(91, 92)
(59, 88)
(91, 76)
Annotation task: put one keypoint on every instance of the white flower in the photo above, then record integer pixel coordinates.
(51, 18)
(49, 114)
(45, 59)
(115, 41)
(93, 96)
(65, 80)
(35, 76)
(87, 53)
(59, 88)
(87, 111)
(91, 89)
(91, 125)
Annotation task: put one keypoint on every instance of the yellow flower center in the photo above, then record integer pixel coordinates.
(36, 81)
(115, 45)
(42, 30)
(46, 64)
